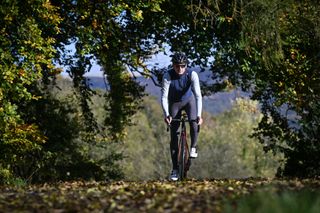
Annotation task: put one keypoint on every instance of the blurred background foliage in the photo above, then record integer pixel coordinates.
(225, 148)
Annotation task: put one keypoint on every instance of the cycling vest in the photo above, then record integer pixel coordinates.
(180, 86)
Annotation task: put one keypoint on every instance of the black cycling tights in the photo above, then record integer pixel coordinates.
(176, 108)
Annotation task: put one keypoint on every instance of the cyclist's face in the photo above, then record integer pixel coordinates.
(179, 68)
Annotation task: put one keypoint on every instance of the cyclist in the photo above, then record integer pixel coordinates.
(181, 91)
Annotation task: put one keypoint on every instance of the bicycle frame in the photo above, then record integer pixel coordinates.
(184, 160)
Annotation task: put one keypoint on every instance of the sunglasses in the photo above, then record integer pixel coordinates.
(180, 65)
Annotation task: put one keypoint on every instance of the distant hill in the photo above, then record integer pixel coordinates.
(215, 104)
(96, 82)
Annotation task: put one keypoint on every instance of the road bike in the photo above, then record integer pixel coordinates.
(184, 159)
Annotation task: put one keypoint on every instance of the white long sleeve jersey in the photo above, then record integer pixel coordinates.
(176, 87)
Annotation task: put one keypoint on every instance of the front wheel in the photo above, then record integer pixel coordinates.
(181, 160)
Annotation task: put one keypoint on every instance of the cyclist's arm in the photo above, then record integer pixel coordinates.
(164, 94)
(197, 92)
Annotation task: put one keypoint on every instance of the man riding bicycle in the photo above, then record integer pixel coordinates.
(181, 91)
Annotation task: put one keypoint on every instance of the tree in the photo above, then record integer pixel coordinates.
(272, 50)
(269, 48)
(112, 33)
(25, 52)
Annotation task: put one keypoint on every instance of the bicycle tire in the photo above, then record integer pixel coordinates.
(181, 160)
(187, 159)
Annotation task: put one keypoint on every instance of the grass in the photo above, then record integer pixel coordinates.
(272, 200)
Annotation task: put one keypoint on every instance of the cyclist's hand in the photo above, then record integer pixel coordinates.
(199, 120)
(168, 119)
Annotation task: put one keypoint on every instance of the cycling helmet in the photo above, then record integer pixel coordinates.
(179, 58)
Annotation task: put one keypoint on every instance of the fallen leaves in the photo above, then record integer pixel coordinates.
(146, 196)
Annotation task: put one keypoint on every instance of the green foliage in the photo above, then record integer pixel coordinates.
(146, 148)
(123, 101)
(225, 148)
(115, 36)
(5, 175)
(24, 51)
(74, 152)
(71, 150)
(266, 200)
(271, 49)
(288, 43)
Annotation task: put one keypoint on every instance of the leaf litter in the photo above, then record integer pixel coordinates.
(143, 196)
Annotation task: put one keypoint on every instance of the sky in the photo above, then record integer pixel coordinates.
(158, 60)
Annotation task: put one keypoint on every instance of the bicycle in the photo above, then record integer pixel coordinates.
(184, 159)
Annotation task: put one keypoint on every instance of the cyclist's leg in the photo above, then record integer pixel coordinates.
(175, 112)
(191, 110)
